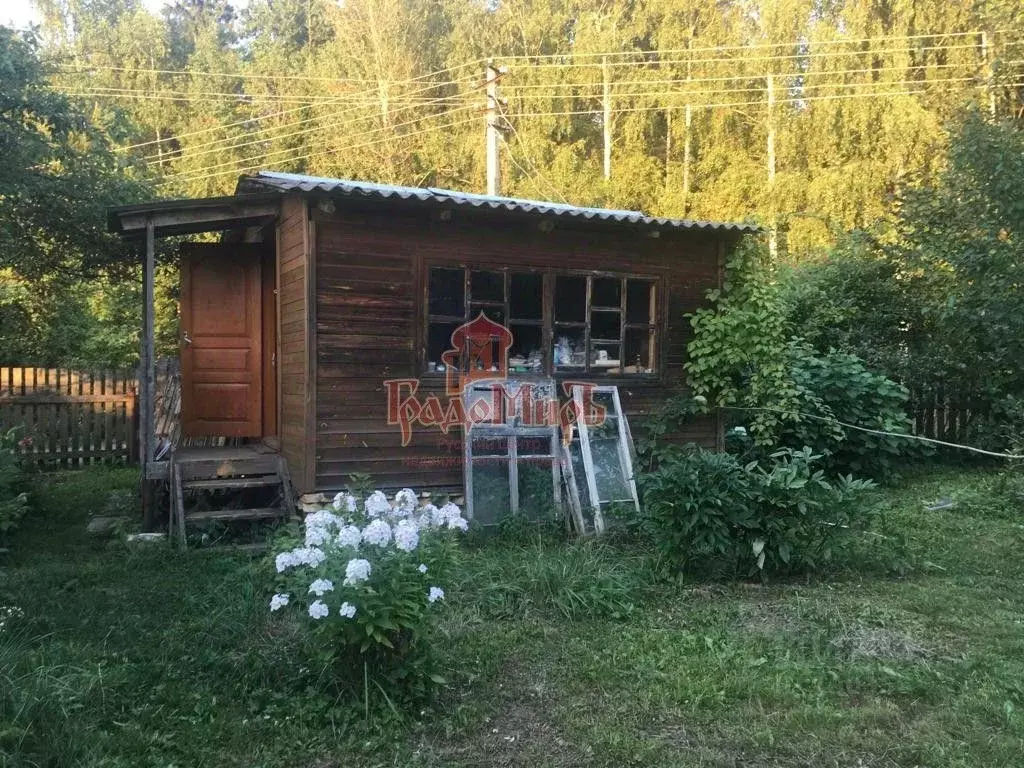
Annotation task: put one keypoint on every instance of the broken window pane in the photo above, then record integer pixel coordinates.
(526, 297)
(570, 298)
(604, 358)
(606, 292)
(447, 288)
(487, 286)
(638, 301)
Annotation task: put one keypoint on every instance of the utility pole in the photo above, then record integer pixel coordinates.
(687, 122)
(493, 166)
(607, 75)
(773, 232)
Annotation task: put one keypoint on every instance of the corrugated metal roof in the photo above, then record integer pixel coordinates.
(287, 182)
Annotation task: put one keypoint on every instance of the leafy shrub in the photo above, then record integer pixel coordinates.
(367, 575)
(838, 387)
(13, 497)
(777, 516)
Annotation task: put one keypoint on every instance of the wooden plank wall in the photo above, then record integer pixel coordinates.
(70, 418)
(293, 354)
(369, 313)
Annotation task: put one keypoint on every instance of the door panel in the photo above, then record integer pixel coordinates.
(221, 341)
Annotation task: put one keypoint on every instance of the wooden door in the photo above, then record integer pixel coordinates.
(221, 341)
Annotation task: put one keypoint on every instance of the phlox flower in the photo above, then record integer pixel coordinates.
(405, 502)
(311, 556)
(450, 516)
(320, 527)
(377, 532)
(285, 560)
(349, 536)
(278, 601)
(356, 571)
(407, 536)
(377, 505)
(344, 502)
(320, 586)
(347, 610)
(318, 609)
(422, 568)
(435, 594)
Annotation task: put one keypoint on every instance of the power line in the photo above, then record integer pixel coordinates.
(751, 46)
(795, 100)
(192, 154)
(726, 78)
(266, 156)
(315, 155)
(251, 120)
(806, 56)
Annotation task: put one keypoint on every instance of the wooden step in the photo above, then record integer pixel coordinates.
(217, 483)
(263, 513)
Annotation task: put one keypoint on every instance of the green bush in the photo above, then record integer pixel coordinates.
(838, 387)
(13, 497)
(780, 515)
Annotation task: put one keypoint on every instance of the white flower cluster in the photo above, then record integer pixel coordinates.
(345, 529)
(8, 613)
(311, 556)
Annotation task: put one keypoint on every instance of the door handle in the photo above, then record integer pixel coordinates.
(186, 339)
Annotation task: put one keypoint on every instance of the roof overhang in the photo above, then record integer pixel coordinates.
(352, 193)
(186, 217)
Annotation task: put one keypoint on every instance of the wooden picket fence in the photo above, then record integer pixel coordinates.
(70, 418)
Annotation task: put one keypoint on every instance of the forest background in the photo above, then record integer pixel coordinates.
(817, 119)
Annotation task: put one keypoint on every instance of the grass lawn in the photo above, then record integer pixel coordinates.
(155, 658)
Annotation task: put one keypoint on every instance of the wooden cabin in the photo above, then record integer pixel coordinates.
(321, 290)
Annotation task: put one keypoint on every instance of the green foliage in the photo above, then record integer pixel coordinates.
(838, 387)
(738, 356)
(778, 516)
(571, 581)
(13, 485)
(934, 302)
(381, 650)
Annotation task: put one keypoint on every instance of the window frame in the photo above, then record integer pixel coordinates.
(655, 327)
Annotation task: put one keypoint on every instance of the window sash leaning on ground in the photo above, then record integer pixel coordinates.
(562, 322)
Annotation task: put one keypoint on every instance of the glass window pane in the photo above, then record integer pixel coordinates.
(604, 358)
(606, 292)
(611, 485)
(526, 297)
(639, 351)
(638, 301)
(605, 325)
(526, 353)
(570, 298)
(582, 489)
(439, 341)
(491, 500)
(447, 288)
(497, 314)
(570, 349)
(488, 445)
(536, 490)
(487, 286)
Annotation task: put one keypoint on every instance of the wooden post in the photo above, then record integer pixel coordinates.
(493, 167)
(773, 231)
(607, 77)
(146, 383)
